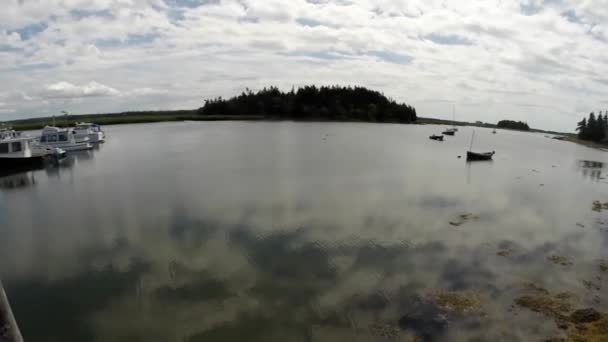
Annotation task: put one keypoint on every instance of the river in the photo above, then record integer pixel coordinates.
(283, 231)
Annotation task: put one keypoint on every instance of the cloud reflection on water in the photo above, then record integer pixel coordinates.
(306, 243)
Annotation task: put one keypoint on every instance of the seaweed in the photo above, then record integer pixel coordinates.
(463, 218)
(599, 206)
(559, 260)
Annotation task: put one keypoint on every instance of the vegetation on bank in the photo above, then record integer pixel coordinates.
(314, 103)
(594, 128)
(120, 118)
(509, 124)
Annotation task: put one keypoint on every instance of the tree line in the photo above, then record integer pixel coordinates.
(593, 128)
(314, 103)
(519, 125)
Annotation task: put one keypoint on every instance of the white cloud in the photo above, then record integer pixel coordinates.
(486, 56)
(146, 92)
(69, 90)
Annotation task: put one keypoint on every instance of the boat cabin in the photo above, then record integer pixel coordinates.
(9, 134)
(54, 135)
(16, 148)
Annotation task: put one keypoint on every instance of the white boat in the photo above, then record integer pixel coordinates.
(89, 130)
(7, 133)
(21, 153)
(64, 139)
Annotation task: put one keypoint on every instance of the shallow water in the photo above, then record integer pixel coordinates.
(234, 231)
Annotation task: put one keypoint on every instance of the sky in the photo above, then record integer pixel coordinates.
(540, 61)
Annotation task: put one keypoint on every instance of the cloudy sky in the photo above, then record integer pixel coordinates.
(542, 61)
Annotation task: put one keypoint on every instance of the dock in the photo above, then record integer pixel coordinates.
(9, 331)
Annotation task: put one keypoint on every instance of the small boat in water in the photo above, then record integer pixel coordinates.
(436, 137)
(22, 153)
(474, 156)
(449, 131)
(64, 139)
(89, 130)
(477, 156)
(494, 132)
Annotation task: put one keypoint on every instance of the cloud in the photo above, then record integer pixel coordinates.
(146, 92)
(69, 90)
(496, 52)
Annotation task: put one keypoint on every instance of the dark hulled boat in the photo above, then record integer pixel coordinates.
(450, 131)
(436, 137)
(20, 154)
(474, 156)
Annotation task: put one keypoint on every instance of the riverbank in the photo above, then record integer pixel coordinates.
(121, 118)
(574, 139)
(192, 115)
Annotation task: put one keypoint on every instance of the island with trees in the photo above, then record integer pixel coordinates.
(333, 103)
(594, 128)
(518, 125)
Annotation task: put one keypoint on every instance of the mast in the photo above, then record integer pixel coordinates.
(472, 138)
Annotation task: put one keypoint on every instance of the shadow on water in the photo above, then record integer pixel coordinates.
(58, 310)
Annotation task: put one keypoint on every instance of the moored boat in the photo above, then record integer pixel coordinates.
(449, 131)
(21, 153)
(89, 130)
(475, 156)
(7, 133)
(436, 137)
(64, 139)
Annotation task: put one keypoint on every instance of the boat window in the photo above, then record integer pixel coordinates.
(63, 137)
(53, 138)
(43, 138)
(16, 147)
(4, 148)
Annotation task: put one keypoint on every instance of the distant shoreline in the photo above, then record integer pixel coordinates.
(192, 115)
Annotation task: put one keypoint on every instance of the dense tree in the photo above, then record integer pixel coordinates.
(311, 103)
(519, 125)
(582, 127)
(594, 128)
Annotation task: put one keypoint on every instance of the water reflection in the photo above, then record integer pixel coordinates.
(83, 156)
(18, 181)
(592, 170)
(287, 239)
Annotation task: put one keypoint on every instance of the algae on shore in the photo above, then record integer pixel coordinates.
(462, 301)
(599, 206)
(587, 325)
(504, 252)
(555, 306)
(463, 218)
(560, 260)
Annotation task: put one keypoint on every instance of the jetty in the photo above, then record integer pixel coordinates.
(9, 331)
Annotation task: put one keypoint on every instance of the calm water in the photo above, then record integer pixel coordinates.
(233, 231)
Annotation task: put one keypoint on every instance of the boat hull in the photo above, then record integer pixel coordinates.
(473, 156)
(12, 165)
(436, 137)
(79, 146)
(448, 133)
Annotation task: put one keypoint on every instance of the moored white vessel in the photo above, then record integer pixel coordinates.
(89, 130)
(64, 139)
